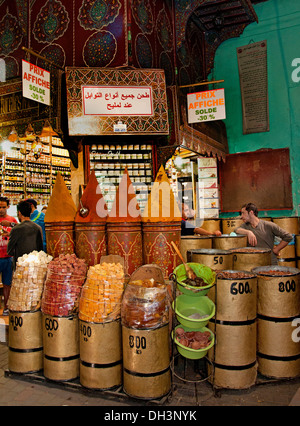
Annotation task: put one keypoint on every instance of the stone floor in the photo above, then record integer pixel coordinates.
(35, 390)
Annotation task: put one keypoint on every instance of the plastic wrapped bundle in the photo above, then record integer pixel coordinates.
(65, 277)
(28, 282)
(102, 293)
(145, 305)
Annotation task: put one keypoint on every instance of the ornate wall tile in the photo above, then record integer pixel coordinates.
(143, 51)
(100, 49)
(143, 16)
(164, 31)
(51, 23)
(96, 14)
(10, 34)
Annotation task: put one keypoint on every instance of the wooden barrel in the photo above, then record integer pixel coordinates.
(268, 219)
(247, 258)
(61, 347)
(194, 242)
(289, 224)
(60, 238)
(157, 248)
(234, 355)
(278, 346)
(146, 362)
(25, 342)
(297, 245)
(100, 354)
(297, 249)
(290, 263)
(213, 258)
(230, 224)
(90, 242)
(287, 256)
(226, 242)
(211, 225)
(125, 240)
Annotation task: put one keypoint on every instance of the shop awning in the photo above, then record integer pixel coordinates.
(205, 138)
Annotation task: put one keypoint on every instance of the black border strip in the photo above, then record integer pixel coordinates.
(233, 323)
(94, 365)
(25, 351)
(235, 367)
(62, 359)
(135, 373)
(278, 358)
(274, 319)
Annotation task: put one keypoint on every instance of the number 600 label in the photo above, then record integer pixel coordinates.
(240, 288)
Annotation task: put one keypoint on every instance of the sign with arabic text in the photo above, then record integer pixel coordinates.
(117, 100)
(106, 101)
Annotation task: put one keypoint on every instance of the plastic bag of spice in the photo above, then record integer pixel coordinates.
(145, 305)
(65, 277)
(28, 282)
(102, 293)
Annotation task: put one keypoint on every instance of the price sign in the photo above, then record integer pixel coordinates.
(35, 83)
(206, 106)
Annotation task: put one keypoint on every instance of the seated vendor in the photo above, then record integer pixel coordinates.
(188, 228)
(262, 233)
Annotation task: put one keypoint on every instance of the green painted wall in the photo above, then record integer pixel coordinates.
(279, 24)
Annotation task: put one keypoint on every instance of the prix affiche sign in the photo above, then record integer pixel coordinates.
(35, 83)
(206, 106)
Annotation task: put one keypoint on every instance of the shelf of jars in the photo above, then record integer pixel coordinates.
(13, 185)
(109, 163)
(28, 172)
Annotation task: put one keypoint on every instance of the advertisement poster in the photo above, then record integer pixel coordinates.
(252, 65)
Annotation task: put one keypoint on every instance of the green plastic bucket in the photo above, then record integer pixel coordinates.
(187, 309)
(206, 273)
(189, 352)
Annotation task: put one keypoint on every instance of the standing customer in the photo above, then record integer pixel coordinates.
(25, 237)
(38, 218)
(7, 222)
(261, 233)
(187, 228)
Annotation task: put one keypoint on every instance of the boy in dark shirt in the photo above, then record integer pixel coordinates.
(26, 236)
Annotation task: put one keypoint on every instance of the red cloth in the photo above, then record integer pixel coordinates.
(4, 239)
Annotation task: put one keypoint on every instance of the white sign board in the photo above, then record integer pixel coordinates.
(35, 83)
(117, 100)
(206, 106)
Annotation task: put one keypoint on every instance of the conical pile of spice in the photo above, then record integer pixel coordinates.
(59, 220)
(90, 224)
(161, 224)
(124, 229)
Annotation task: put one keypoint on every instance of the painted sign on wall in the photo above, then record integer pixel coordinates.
(206, 106)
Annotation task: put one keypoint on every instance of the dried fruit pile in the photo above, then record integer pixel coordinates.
(278, 273)
(233, 275)
(28, 282)
(145, 304)
(102, 293)
(248, 250)
(193, 339)
(65, 277)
